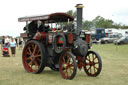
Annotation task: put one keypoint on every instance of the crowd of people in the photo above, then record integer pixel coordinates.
(12, 43)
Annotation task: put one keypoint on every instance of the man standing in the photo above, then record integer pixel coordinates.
(7, 40)
(3, 42)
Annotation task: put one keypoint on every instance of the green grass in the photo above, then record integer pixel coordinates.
(114, 70)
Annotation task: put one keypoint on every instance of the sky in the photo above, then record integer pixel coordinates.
(11, 10)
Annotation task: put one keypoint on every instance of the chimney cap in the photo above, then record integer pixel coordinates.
(79, 6)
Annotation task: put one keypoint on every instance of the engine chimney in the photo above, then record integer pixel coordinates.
(79, 18)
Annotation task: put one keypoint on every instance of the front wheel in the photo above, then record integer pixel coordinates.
(67, 65)
(93, 64)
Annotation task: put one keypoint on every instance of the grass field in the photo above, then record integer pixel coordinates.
(114, 70)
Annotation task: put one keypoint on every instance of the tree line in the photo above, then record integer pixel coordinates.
(98, 22)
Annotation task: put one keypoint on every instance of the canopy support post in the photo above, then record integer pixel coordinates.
(27, 31)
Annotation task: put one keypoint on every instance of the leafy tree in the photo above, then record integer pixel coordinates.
(72, 13)
(100, 22)
(125, 27)
(115, 25)
(87, 24)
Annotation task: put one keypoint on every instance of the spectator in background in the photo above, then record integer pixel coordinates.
(7, 40)
(16, 42)
(3, 42)
(13, 46)
(5, 51)
(20, 43)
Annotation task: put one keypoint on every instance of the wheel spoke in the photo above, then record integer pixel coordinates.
(89, 68)
(88, 58)
(32, 46)
(30, 63)
(71, 65)
(29, 51)
(37, 55)
(38, 59)
(68, 60)
(63, 60)
(28, 58)
(66, 73)
(36, 64)
(94, 70)
(38, 51)
(95, 67)
(94, 58)
(71, 69)
(96, 62)
(34, 49)
(88, 64)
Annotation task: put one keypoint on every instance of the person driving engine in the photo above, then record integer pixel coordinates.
(43, 27)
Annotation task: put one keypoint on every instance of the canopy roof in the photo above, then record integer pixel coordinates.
(51, 18)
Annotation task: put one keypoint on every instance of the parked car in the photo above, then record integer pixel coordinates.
(122, 40)
(110, 38)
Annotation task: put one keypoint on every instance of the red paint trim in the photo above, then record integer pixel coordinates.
(37, 36)
(88, 38)
(70, 38)
(43, 35)
(45, 17)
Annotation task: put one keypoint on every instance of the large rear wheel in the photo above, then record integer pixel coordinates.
(67, 65)
(93, 64)
(33, 57)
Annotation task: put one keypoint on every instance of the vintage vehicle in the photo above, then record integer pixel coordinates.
(58, 45)
(98, 33)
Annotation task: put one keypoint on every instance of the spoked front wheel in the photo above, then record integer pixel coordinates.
(93, 64)
(67, 65)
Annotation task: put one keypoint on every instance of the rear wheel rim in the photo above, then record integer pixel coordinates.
(32, 57)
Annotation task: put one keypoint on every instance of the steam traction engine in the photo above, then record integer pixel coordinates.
(60, 49)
